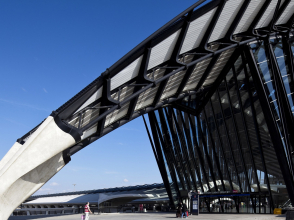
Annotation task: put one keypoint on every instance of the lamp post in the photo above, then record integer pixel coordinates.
(74, 187)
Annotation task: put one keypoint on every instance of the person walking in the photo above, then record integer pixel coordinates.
(87, 210)
(179, 210)
(184, 210)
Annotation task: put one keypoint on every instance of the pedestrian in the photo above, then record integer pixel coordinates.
(184, 210)
(87, 210)
(179, 210)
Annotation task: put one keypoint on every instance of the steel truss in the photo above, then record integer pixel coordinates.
(142, 83)
(178, 124)
(186, 115)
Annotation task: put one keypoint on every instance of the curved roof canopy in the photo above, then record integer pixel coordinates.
(185, 57)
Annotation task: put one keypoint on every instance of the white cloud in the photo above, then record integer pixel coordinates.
(23, 89)
(23, 105)
(54, 184)
(111, 172)
(77, 168)
(45, 90)
(44, 189)
(125, 180)
(15, 122)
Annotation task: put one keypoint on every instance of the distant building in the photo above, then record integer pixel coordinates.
(119, 199)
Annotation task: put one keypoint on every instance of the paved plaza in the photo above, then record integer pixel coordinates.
(153, 216)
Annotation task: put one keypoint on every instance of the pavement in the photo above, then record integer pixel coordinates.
(153, 216)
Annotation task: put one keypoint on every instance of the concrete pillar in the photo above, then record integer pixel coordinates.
(28, 213)
(32, 165)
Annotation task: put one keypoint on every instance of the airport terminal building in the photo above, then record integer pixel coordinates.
(217, 85)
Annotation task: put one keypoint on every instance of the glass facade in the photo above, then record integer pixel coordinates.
(226, 148)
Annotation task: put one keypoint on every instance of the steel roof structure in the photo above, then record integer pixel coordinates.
(94, 191)
(190, 55)
(184, 57)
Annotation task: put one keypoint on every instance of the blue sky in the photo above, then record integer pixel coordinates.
(52, 49)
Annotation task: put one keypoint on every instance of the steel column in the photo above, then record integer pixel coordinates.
(272, 126)
(206, 153)
(214, 151)
(158, 157)
(244, 124)
(236, 131)
(283, 103)
(179, 124)
(229, 140)
(168, 139)
(221, 145)
(177, 146)
(158, 139)
(193, 126)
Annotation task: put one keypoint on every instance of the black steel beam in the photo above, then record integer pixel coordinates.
(174, 57)
(185, 80)
(169, 155)
(158, 153)
(151, 142)
(221, 145)
(237, 19)
(169, 140)
(283, 103)
(184, 146)
(209, 30)
(206, 153)
(274, 19)
(236, 132)
(288, 54)
(184, 108)
(214, 151)
(141, 78)
(218, 80)
(177, 147)
(105, 101)
(228, 138)
(254, 117)
(207, 72)
(244, 124)
(282, 9)
(203, 48)
(186, 127)
(272, 126)
(251, 29)
(201, 160)
(101, 116)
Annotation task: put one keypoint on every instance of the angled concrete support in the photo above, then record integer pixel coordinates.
(26, 168)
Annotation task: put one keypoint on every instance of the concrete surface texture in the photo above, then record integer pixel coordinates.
(154, 216)
(29, 166)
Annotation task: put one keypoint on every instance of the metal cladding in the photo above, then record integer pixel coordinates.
(233, 139)
(189, 57)
(182, 58)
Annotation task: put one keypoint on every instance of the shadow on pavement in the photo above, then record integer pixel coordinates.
(26, 217)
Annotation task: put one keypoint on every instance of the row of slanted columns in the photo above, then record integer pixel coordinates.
(47, 209)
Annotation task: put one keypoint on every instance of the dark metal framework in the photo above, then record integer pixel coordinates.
(234, 145)
(201, 140)
(140, 84)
